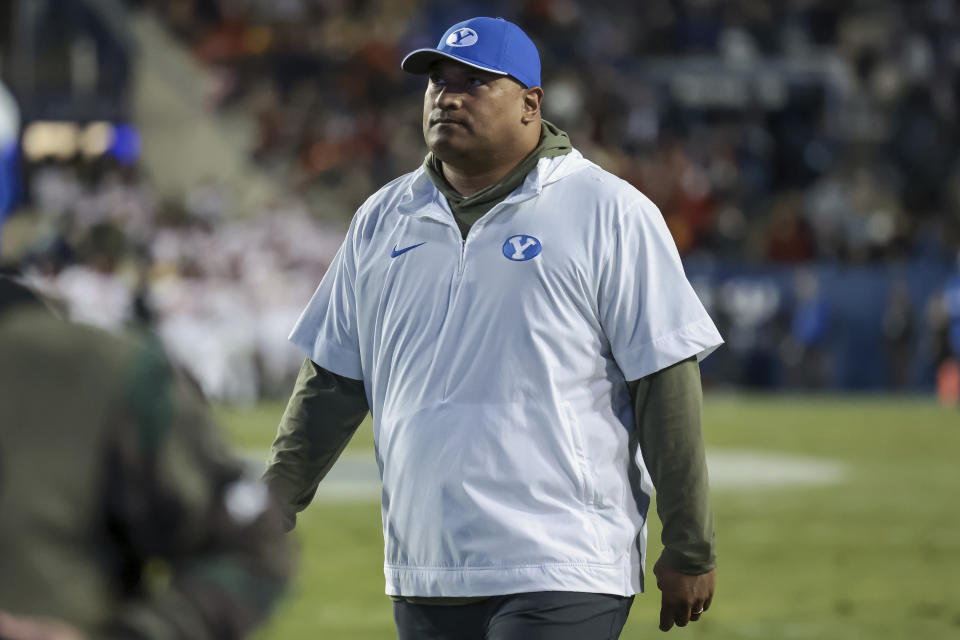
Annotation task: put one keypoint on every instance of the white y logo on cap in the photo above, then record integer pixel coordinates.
(463, 37)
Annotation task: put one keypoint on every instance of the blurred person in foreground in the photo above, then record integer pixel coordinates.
(121, 514)
(519, 322)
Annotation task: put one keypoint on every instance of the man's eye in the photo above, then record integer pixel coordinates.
(436, 80)
(474, 81)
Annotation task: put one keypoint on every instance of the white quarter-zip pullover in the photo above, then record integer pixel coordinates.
(495, 371)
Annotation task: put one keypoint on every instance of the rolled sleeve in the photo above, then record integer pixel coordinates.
(327, 329)
(649, 311)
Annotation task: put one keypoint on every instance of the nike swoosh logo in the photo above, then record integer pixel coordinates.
(395, 253)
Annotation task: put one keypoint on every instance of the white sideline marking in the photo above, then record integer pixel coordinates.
(354, 477)
(740, 470)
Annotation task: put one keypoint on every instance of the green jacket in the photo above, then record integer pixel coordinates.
(120, 512)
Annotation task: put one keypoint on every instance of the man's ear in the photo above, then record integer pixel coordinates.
(532, 97)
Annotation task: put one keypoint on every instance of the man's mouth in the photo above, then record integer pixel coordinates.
(437, 121)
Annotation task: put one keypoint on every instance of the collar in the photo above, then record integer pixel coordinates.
(422, 199)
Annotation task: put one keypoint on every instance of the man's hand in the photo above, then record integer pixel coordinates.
(23, 628)
(685, 597)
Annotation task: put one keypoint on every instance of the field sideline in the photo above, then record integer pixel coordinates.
(873, 554)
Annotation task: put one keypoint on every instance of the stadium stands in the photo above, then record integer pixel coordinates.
(805, 154)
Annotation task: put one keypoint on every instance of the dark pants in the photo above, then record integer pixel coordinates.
(543, 615)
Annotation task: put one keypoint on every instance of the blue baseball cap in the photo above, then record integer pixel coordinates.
(491, 44)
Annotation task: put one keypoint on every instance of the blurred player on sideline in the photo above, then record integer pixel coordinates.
(948, 369)
(519, 323)
(121, 516)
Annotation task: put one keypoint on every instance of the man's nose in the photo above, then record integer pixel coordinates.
(448, 99)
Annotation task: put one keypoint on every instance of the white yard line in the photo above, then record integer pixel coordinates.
(354, 478)
(745, 470)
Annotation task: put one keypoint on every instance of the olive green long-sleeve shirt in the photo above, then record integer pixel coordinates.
(667, 429)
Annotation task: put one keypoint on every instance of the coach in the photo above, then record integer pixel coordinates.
(518, 322)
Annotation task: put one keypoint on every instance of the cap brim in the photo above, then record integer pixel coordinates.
(419, 62)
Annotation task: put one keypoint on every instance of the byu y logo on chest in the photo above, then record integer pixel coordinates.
(521, 247)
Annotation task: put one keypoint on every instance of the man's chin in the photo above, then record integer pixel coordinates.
(448, 148)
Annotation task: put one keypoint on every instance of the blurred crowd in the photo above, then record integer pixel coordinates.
(221, 292)
(802, 133)
(772, 131)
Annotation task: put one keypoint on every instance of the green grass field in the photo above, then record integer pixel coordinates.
(875, 555)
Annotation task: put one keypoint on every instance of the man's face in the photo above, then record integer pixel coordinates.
(470, 115)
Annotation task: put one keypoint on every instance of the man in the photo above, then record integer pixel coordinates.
(120, 514)
(519, 324)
